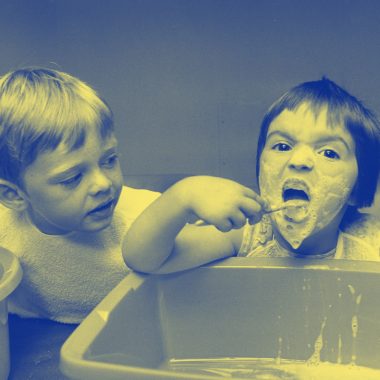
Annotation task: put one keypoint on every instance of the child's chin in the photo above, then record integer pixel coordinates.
(96, 227)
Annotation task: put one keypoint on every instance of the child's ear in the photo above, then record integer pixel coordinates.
(12, 196)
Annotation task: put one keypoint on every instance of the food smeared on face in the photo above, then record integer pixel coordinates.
(310, 209)
(309, 166)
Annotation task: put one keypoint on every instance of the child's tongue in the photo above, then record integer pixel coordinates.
(296, 210)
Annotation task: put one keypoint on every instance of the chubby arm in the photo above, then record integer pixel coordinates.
(162, 241)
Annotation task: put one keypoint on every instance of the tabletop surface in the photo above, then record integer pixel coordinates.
(34, 346)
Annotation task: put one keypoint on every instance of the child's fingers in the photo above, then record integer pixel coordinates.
(238, 220)
(224, 225)
(251, 208)
(249, 193)
(254, 219)
(234, 221)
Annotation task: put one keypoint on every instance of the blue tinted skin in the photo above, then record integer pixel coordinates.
(74, 190)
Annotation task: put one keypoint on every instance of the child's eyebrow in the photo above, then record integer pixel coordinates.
(320, 140)
(61, 175)
(285, 135)
(56, 177)
(329, 139)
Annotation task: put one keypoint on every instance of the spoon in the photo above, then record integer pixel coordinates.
(288, 204)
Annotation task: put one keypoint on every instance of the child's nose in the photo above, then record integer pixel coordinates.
(302, 159)
(100, 183)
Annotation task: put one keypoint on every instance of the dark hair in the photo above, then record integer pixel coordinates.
(342, 108)
(39, 109)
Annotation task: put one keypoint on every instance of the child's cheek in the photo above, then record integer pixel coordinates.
(329, 195)
(269, 183)
(324, 169)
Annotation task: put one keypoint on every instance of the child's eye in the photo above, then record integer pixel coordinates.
(72, 181)
(111, 161)
(329, 153)
(282, 147)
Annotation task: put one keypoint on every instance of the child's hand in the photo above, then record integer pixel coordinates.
(221, 202)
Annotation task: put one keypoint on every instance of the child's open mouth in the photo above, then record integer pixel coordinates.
(297, 193)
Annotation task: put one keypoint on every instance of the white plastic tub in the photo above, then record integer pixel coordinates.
(241, 318)
(10, 277)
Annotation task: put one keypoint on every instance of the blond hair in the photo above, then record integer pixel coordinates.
(41, 108)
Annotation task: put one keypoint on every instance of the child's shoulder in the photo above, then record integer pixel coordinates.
(364, 226)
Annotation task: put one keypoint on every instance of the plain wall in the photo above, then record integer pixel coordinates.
(189, 80)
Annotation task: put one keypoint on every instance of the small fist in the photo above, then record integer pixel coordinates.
(221, 202)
